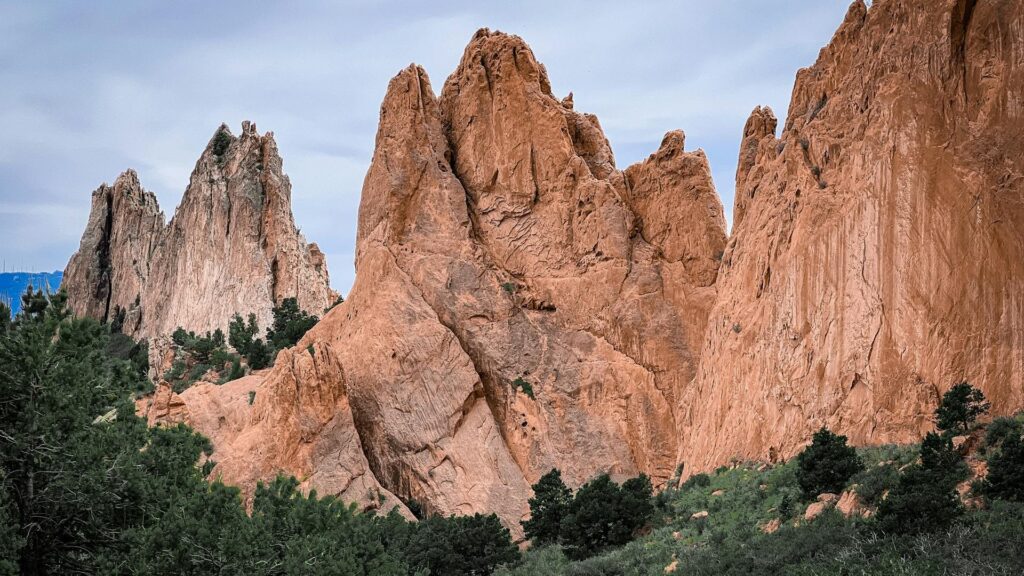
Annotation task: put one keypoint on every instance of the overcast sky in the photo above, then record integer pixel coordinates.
(88, 89)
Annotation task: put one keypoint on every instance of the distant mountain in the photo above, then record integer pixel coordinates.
(13, 284)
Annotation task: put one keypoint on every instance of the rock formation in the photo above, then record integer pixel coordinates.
(520, 304)
(110, 269)
(232, 246)
(877, 255)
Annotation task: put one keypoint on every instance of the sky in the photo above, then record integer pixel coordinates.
(89, 89)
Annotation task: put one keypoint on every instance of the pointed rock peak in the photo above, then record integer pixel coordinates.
(856, 13)
(761, 122)
(129, 186)
(411, 85)
(220, 141)
(760, 125)
(674, 140)
(128, 179)
(500, 57)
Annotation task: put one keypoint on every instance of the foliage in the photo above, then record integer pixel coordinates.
(602, 515)
(1002, 428)
(290, 324)
(241, 333)
(925, 499)
(236, 371)
(550, 503)
(697, 481)
(1006, 470)
(197, 355)
(221, 142)
(960, 407)
(5, 318)
(117, 321)
(334, 304)
(259, 356)
(457, 545)
(881, 471)
(827, 464)
(729, 542)
(64, 471)
(521, 384)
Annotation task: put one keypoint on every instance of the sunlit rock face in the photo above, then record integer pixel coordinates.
(877, 256)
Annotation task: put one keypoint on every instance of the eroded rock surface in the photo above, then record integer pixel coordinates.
(877, 255)
(232, 247)
(110, 270)
(520, 304)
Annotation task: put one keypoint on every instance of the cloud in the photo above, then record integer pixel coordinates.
(94, 88)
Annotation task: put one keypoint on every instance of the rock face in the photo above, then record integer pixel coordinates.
(877, 255)
(520, 304)
(110, 269)
(232, 246)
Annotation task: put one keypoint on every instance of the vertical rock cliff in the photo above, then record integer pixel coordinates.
(877, 256)
(231, 247)
(520, 304)
(110, 269)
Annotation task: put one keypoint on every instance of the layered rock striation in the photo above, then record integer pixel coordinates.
(231, 247)
(876, 257)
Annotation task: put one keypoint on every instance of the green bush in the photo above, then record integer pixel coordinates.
(1005, 478)
(602, 515)
(221, 142)
(520, 384)
(1002, 428)
(696, 481)
(827, 464)
(872, 483)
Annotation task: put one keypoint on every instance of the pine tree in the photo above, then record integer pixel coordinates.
(259, 356)
(550, 502)
(960, 407)
(290, 324)
(925, 498)
(1005, 478)
(241, 335)
(827, 464)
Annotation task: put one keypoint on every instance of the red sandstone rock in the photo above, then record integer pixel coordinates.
(876, 258)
